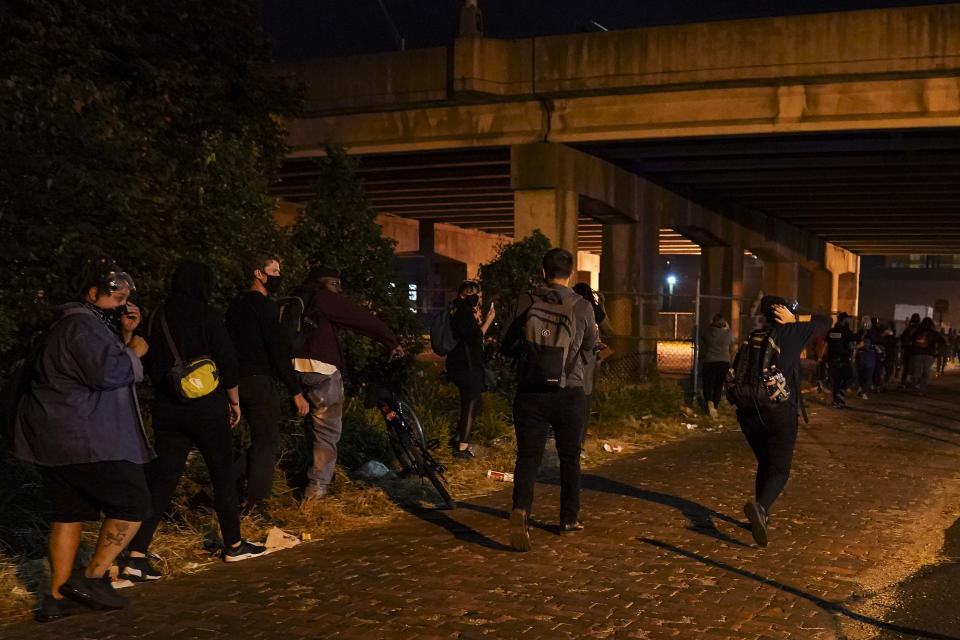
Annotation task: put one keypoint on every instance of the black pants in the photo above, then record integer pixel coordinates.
(714, 374)
(471, 402)
(772, 436)
(841, 373)
(176, 431)
(260, 405)
(533, 414)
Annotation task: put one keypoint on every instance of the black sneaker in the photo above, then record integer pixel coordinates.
(571, 527)
(243, 551)
(519, 530)
(51, 609)
(758, 521)
(140, 570)
(96, 593)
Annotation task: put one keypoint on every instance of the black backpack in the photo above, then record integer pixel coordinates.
(294, 321)
(548, 333)
(442, 339)
(755, 380)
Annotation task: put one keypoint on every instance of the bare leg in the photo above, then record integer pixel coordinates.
(64, 541)
(114, 537)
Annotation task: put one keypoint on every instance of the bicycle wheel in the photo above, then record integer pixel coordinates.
(413, 421)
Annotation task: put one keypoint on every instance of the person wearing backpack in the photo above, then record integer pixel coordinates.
(465, 361)
(841, 345)
(79, 423)
(552, 336)
(187, 330)
(263, 354)
(319, 364)
(766, 391)
(926, 344)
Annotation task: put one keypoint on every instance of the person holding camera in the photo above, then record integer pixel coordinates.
(79, 423)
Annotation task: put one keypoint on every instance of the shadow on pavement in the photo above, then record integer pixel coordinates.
(505, 515)
(700, 517)
(459, 530)
(826, 605)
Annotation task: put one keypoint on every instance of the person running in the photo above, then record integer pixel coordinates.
(319, 366)
(263, 352)
(943, 352)
(927, 343)
(188, 329)
(79, 423)
(465, 362)
(771, 431)
(553, 333)
(718, 346)
(906, 346)
(867, 357)
(841, 343)
(891, 353)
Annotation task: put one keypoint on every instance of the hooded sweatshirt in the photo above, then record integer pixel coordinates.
(716, 343)
(197, 330)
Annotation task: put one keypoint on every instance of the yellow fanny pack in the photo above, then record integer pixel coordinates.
(190, 380)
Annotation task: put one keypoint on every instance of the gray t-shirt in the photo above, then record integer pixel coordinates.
(716, 344)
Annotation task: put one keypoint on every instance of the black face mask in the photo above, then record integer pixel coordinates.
(272, 285)
(473, 300)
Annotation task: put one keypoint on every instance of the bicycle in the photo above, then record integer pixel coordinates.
(408, 440)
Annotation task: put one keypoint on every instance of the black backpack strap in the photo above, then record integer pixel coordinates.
(168, 337)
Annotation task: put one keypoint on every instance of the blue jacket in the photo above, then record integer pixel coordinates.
(82, 406)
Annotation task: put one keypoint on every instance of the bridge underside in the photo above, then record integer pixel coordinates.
(880, 192)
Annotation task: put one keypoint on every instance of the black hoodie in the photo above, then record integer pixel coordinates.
(196, 329)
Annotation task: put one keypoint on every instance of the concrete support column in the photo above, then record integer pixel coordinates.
(781, 279)
(848, 293)
(721, 274)
(823, 292)
(553, 211)
(629, 274)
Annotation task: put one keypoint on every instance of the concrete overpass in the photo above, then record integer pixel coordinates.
(803, 140)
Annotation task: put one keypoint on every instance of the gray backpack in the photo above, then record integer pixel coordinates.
(548, 339)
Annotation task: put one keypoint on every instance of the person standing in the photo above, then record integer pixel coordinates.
(465, 362)
(592, 359)
(319, 366)
(79, 423)
(841, 343)
(191, 330)
(718, 346)
(550, 390)
(772, 431)
(264, 356)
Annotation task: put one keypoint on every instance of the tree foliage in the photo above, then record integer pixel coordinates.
(516, 270)
(148, 130)
(339, 228)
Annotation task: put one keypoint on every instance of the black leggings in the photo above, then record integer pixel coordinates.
(714, 374)
(471, 402)
(772, 436)
(176, 433)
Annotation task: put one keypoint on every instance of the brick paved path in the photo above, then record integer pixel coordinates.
(665, 554)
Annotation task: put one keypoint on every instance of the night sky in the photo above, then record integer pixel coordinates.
(313, 28)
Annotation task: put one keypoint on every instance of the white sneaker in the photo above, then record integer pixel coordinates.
(712, 410)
